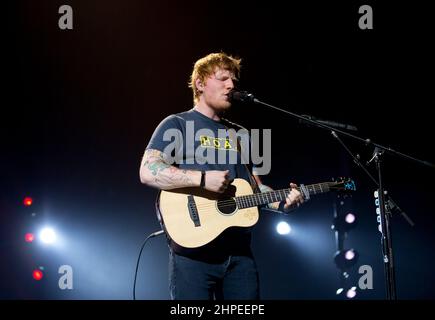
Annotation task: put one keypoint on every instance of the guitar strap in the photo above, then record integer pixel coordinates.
(252, 180)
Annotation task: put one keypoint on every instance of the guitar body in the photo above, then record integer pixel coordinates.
(193, 217)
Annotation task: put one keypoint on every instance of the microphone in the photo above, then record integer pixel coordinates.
(331, 123)
(242, 96)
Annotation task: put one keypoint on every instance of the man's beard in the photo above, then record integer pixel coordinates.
(223, 106)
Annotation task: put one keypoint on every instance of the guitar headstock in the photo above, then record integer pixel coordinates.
(342, 184)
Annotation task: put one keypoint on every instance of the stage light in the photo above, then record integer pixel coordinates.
(283, 228)
(350, 218)
(349, 255)
(351, 293)
(29, 237)
(27, 201)
(47, 235)
(344, 223)
(37, 275)
(346, 259)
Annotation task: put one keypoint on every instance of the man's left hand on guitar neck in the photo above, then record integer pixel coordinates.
(294, 198)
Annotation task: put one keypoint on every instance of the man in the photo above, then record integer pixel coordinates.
(225, 267)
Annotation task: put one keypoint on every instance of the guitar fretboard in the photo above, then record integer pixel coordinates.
(258, 199)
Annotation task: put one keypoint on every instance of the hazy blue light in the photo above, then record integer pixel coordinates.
(47, 235)
(283, 228)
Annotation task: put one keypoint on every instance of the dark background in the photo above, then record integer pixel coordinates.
(80, 105)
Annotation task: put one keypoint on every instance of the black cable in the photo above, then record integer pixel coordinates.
(155, 234)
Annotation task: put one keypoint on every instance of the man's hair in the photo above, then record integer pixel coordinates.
(206, 66)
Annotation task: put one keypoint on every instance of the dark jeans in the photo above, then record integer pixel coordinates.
(234, 279)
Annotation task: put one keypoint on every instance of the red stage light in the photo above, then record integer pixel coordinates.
(29, 237)
(37, 275)
(28, 201)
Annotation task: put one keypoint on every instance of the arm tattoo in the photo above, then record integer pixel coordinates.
(157, 166)
(165, 176)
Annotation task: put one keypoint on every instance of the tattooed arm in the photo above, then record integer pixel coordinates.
(155, 172)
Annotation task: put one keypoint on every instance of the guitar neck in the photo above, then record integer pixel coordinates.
(262, 198)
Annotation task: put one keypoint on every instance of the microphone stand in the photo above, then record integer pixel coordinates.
(383, 211)
(390, 203)
(384, 214)
(367, 142)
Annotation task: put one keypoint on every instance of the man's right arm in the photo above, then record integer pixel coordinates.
(156, 172)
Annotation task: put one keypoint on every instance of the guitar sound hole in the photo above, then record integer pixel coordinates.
(227, 206)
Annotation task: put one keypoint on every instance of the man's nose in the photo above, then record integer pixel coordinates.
(229, 84)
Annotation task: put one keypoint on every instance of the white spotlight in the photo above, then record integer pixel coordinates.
(283, 228)
(351, 293)
(350, 218)
(349, 255)
(47, 235)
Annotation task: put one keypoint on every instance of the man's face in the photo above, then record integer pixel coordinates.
(216, 89)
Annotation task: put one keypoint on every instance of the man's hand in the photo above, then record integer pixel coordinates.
(217, 181)
(294, 198)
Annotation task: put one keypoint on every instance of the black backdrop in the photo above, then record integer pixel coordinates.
(80, 105)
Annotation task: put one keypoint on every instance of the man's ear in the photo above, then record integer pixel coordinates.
(199, 85)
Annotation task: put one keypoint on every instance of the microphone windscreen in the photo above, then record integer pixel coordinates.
(241, 96)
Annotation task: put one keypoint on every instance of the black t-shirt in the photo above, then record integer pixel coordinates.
(193, 141)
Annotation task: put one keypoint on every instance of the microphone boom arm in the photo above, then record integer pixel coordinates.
(244, 97)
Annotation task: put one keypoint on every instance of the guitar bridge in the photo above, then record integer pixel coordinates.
(193, 211)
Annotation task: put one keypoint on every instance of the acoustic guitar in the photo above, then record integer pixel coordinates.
(192, 217)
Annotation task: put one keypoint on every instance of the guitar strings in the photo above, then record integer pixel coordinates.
(251, 198)
(249, 201)
(233, 201)
(230, 203)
